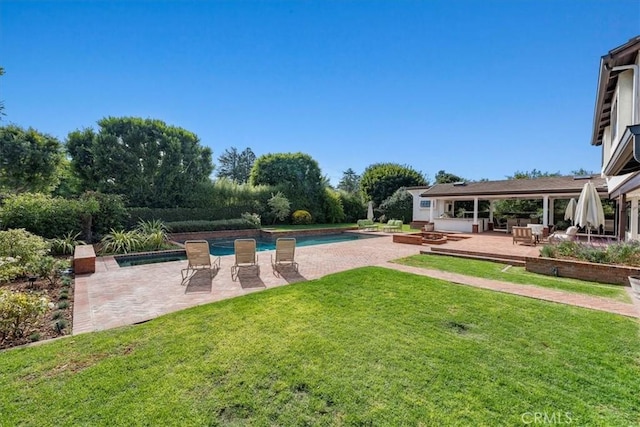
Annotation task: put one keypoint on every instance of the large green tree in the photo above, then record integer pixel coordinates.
(297, 175)
(443, 177)
(381, 180)
(29, 160)
(149, 162)
(235, 165)
(350, 181)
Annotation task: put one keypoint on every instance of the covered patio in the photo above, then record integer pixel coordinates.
(444, 197)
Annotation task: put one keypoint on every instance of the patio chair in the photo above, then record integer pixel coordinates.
(523, 234)
(511, 222)
(285, 254)
(198, 258)
(245, 256)
(569, 235)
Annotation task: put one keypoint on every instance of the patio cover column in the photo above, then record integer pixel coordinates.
(545, 211)
(551, 210)
(475, 215)
(433, 201)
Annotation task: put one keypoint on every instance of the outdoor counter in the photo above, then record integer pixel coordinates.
(460, 225)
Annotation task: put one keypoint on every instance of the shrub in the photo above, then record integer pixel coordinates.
(253, 218)
(19, 312)
(19, 249)
(353, 206)
(60, 325)
(48, 268)
(153, 235)
(66, 244)
(398, 205)
(301, 217)
(121, 242)
(111, 213)
(46, 216)
(193, 226)
(332, 206)
(63, 304)
(279, 206)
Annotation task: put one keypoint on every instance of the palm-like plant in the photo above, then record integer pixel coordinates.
(66, 244)
(153, 234)
(121, 242)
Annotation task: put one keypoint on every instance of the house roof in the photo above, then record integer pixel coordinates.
(561, 185)
(607, 80)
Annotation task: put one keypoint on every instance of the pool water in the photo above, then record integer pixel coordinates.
(150, 258)
(221, 247)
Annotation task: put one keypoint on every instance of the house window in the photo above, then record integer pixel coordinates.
(614, 121)
(425, 203)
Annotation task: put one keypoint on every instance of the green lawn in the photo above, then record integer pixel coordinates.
(370, 346)
(497, 271)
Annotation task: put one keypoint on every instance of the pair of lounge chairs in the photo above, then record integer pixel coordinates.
(198, 257)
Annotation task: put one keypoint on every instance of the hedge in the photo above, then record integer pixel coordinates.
(225, 224)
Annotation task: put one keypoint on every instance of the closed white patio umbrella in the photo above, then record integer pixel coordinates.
(589, 211)
(370, 211)
(570, 211)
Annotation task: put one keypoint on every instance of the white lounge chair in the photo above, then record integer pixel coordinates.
(569, 235)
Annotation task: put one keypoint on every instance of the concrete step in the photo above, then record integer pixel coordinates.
(505, 259)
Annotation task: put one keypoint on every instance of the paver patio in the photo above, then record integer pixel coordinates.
(115, 296)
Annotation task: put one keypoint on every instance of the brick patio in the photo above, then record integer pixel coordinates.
(115, 296)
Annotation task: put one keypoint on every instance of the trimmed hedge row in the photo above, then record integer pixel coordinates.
(220, 225)
(170, 215)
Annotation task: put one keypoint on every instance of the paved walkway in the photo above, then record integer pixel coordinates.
(115, 296)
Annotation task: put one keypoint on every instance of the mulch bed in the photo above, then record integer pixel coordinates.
(46, 328)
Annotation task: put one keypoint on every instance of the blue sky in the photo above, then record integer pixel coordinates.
(477, 88)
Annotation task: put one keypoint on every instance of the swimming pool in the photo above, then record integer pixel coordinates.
(149, 258)
(220, 247)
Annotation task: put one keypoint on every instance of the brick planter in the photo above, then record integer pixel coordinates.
(411, 239)
(603, 273)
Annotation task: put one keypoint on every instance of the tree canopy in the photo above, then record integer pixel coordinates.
(149, 162)
(443, 177)
(30, 160)
(350, 181)
(297, 175)
(236, 166)
(381, 180)
(533, 174)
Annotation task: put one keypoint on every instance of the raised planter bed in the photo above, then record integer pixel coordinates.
(603, 273)
(411, 239)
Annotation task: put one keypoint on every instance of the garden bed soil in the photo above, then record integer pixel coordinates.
(44, 329)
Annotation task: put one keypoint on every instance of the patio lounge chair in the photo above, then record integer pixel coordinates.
(392, 225)
(523, 234)
(569, 235)
(245, 256)
(285, 254)
(198, 258)
(367, 225)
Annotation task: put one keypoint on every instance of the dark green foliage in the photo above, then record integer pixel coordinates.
(297, 175)
(111, 214)
(332, 204)
(381, 180)
(29, 160)
(350, 182)
(533, 174)
(46, 216)
(398, 206)
(65, 244)
(443, 177)
(61, 324)
(226, 224)
(146, 160)
(236, 166)
(301, 217)
(353, 206)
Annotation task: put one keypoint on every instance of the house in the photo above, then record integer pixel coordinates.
(616, 128)
(438, 204)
